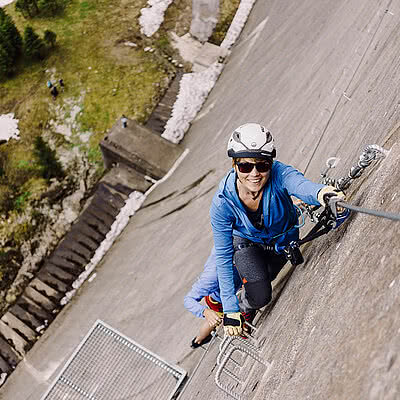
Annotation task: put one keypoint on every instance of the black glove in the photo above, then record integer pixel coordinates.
(327, 192)
(233, 324)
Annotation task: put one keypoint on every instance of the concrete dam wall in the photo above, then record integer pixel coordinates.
(324, 77)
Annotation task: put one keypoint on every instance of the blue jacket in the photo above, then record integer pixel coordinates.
(228, 218)
(207, 284)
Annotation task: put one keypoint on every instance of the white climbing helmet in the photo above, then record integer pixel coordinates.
(251, 140)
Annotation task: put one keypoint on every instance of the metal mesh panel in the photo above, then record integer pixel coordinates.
(109, 366)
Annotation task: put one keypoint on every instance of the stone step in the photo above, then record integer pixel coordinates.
(54, 295)
(8, 353)
(163, 110)
(35, 309)
(26, 317)
(95, 223)
(65, 256)
(53, 282)
(104, 205)
(87, 231)
(20, 327)
(40, 300)
(101, 216)
(59, 273)
(20, 345)
(110, 195)
(85, 241)
(66, 265)
(72, 242)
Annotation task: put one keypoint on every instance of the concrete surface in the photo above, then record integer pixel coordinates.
(323, 76)
(139, 148)
(200, 55)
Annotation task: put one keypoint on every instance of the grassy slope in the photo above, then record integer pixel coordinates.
(105, 77)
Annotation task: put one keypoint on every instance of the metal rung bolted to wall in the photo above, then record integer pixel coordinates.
(109, 366)
(228, 358)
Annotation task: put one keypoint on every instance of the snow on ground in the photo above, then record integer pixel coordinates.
(194, 87)
(8, 127)
(152, 17)
(193, 91)
(237, 24)
(5, 2)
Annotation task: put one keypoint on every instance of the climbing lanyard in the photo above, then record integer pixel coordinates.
(330, 218)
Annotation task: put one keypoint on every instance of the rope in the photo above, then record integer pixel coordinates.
(383, 214)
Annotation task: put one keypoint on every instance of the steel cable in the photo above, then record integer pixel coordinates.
(382, 214)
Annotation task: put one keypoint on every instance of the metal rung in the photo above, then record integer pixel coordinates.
(228, 340)
(222, 368)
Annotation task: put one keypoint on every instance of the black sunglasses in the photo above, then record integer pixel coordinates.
(247, 167)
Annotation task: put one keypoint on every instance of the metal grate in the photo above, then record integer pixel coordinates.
(109, 366)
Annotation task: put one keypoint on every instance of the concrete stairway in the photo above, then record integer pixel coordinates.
(39, 304)
(163, 110)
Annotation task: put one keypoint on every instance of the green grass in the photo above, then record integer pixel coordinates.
(104, 77)
(227, 12)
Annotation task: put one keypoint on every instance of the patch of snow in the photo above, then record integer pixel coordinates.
(238, 22)
(130, 44)
(152, 17)
(193, 91)
(8, 127)
(4, 3)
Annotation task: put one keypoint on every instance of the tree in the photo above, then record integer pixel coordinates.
(50, 37)
(33, 44)
(50, 7)
(6, 64)
(28, 8)
(10, 44)
(47, 159)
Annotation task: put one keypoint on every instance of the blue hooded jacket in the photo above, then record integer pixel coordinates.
(207, 285)
(229, 218)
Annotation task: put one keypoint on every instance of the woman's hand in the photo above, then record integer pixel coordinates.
(212, 317)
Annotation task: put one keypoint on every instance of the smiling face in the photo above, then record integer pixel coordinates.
(254, 180)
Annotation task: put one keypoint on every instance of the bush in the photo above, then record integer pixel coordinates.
(10, 44)
(50, 7)
(28, 8)
(9, 261)
(50, 37)
(33, 8)
(6, 199)
(33, 44)
(47, 159)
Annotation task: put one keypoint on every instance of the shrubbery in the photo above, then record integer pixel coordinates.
(33, 45)
(50, 167)
(33, 8)
(16, 177)
(12, 44)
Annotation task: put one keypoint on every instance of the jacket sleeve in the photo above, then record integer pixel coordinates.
(206, 284)
(222, 222)
(297, 185)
